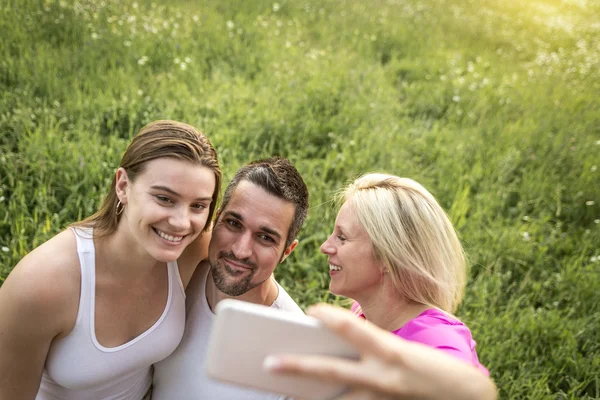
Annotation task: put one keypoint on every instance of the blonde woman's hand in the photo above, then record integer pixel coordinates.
(389, 367)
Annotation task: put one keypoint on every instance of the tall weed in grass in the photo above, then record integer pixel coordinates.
(493, 105)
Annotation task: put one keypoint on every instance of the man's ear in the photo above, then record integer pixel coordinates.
(289, 250)
(122, 185)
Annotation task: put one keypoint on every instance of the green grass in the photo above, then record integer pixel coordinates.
(493, 105)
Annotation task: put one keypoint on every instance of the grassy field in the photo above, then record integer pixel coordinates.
(494, 105)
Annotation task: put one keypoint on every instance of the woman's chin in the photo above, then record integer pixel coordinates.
(167, 256)
(336, 290)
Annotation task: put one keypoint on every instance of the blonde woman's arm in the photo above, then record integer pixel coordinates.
(389, 368)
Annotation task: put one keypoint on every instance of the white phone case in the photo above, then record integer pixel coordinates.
(244, 334)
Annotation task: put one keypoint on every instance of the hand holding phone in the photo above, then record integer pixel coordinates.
(244, 334)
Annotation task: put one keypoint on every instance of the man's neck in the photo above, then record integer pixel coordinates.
(266, 293)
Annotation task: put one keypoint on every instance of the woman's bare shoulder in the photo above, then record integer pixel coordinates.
(38, 303)
(48, 277)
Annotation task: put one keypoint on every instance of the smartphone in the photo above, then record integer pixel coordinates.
(243, 334)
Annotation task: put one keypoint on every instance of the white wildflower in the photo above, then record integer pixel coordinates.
(590, 203)
(5, 249)
(526, 236)
(456, 98)
(593, 168)
(230, 25)
(276, 7)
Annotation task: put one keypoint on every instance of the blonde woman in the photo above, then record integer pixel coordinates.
(86, 314)
(395, 252)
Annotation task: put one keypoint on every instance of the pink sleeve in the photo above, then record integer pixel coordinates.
(449, 339)
(442, 333)
(441, 337)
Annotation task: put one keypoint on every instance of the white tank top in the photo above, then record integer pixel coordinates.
(181, 376)
(78, 367)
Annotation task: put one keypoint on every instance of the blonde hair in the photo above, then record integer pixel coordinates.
(412, 237)
(163, 138)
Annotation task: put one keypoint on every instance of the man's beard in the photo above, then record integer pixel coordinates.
(220, 272)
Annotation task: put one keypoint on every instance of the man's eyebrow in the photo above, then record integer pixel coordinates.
(270, 231)
(265, 229)
(174, 193)
(233, 214)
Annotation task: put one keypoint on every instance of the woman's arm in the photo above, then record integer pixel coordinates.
(389, 368)
(36, 304)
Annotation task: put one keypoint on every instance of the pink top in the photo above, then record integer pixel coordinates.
(438, 330)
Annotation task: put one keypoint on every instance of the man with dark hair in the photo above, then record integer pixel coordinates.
(263, 208)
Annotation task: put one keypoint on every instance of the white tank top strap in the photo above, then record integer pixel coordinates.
(87, 265)
(175, 277)
(84, 238)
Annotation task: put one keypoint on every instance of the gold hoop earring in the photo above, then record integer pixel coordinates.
(119, 209)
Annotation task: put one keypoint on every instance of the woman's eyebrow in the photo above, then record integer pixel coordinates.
(174, 193)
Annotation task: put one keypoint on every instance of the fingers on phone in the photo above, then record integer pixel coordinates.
(367, 338)
(360, 395)
(319, 367)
